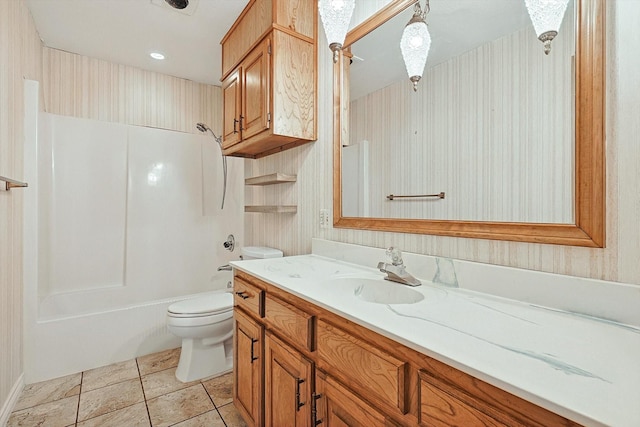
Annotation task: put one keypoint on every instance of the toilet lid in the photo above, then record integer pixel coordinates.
(210, 304)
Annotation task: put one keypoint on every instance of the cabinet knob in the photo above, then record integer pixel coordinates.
(235, 122)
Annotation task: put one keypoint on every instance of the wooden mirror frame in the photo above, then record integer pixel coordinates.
(589, 227)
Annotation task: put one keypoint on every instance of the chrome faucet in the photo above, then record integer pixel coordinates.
(396, 271)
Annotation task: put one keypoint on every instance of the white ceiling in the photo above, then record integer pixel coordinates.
(126, 31)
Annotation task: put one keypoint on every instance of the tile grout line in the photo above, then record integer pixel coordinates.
(109, 385)
(196, 416)
(214, 404)
(144, 395)
(79, 396)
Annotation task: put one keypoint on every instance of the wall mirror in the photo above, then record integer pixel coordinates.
(513, 138)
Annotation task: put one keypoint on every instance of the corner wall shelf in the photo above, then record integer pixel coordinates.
(12, 183)
(272, 209)
(273, 178)
(270, 179)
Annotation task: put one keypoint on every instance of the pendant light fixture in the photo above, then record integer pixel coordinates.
(546, 16)
(336, 16)
(415, 44)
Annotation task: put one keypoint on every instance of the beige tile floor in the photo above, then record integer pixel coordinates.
(139, 392)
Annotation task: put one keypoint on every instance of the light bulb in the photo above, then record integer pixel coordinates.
(546, 16)
(336, 16)
(415, 44)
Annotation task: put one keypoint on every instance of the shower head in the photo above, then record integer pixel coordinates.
(204, 128)
(178, 4)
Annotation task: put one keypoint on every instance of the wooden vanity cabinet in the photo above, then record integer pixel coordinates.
(248, 368)
(270, 78)
(288, 385)
(321, 369)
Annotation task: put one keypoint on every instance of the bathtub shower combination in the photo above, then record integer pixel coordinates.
(120, 222)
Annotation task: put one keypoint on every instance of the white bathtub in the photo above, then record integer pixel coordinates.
(69, 344)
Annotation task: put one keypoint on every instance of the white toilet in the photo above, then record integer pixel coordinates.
(205, 325)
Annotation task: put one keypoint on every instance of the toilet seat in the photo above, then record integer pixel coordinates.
(209, 305)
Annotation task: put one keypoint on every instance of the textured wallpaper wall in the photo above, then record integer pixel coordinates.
(20, 56)
(80, 86)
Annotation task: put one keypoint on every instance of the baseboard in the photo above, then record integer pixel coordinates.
(12, 399)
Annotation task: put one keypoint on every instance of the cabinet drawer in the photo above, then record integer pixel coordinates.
(440, 409)
(336, 406)
(290, 322)
(368, 369)
(248, 296)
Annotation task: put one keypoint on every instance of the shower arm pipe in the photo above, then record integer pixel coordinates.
(204, 128)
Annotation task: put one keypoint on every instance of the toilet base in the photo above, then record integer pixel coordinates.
(199, 360)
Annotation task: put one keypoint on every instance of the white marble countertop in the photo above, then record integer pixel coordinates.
(580, 367)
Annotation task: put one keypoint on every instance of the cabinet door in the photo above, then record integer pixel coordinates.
(248, 368)
(255, 90)
(231, 98)
(288, 377)
(336, 406)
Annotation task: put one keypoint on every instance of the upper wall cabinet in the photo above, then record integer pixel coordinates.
(269, 83)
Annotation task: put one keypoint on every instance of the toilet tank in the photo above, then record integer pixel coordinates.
(260, 252)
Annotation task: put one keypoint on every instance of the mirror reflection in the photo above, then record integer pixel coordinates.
(490, 124)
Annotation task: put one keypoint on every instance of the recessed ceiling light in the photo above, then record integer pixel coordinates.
(178, 4)
(156, 55)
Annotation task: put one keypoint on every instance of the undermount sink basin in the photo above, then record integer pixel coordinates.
(381, 291)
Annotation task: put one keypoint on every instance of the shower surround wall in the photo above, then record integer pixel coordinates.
(121, 221)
